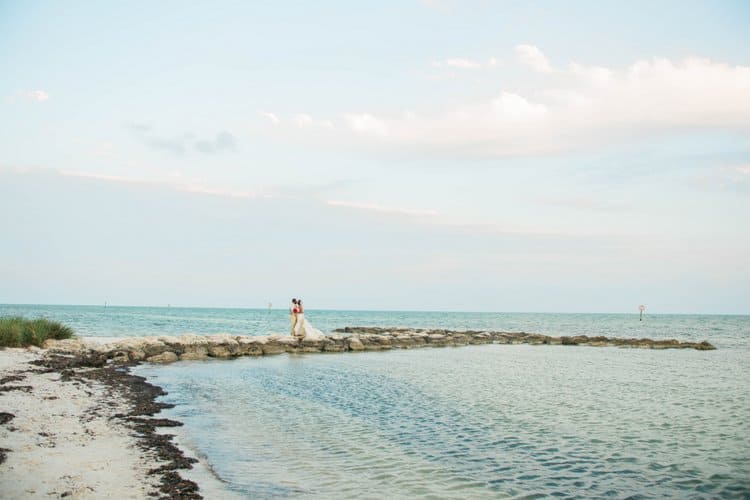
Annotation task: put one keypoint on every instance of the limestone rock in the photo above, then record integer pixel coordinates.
(165, 357)
(410, 337)
(136, 355)
(355, 344)
(334, 345)
(164, 349)
(221, 338)
(193, 356)
(703, 346)
(197, 351)
(190, 343)
(152, 346)
(375, 342)
(403, 340)
(66, 345)
(312, 344)
(287, 340)
(249, 346)
(218, 351)
(274, 345)
(121, 357)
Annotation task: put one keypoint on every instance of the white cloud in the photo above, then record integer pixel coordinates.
(269, 116)
(507, 122)
(367, 124)
(594, 74)
(380, 208)
(459, 63)
(513, 107)
(29, 95)
(574, 108)
(534, 58)
(36, 95)
(299, 120)
(304, 120)
(176, 182)
(691, 92)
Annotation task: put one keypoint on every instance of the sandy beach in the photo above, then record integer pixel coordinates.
(73, 431)
(75, 422)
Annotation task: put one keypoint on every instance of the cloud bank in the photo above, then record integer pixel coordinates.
(571, 107)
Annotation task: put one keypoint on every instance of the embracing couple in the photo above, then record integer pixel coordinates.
(301, 328)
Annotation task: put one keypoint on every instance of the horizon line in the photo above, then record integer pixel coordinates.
(170, 306)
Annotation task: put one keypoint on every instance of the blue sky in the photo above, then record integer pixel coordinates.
(497, 156)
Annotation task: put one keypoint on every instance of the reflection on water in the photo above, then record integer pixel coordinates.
(470, 422)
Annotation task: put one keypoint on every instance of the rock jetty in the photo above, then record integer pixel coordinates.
(166, 349)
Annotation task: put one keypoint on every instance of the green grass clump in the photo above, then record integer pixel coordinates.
(16, 331)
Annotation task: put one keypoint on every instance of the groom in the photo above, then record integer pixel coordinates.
(293, 316)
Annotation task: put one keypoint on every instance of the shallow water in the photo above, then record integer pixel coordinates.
(466, 422)
(470, 422)
(111, 321)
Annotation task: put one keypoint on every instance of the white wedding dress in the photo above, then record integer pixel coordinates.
(304, 329)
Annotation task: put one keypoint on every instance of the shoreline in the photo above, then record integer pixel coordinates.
(85, 429)
(76, 415)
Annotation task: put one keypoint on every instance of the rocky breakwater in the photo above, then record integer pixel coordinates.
(165, 349)
(416, 337)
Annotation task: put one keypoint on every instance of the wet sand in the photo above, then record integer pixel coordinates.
(77, 427)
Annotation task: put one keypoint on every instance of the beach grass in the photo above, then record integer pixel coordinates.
(17, 331)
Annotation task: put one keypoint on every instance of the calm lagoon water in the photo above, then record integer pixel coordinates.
(466, 422)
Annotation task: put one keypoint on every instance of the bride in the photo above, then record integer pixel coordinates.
(302, 328)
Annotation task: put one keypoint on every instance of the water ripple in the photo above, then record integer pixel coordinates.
(501, 421)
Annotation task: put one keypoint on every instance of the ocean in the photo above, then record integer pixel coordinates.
(456, 422)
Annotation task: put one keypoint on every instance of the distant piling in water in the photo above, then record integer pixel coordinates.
(165, 349)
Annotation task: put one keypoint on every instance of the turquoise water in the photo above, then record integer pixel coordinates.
(138, 321)
(466, 422)
(470, 422)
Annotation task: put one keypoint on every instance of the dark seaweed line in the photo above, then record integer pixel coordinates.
(140, 396)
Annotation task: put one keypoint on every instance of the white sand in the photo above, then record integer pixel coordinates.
(59, 446)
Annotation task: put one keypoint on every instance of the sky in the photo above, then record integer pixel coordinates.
(417, 155)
